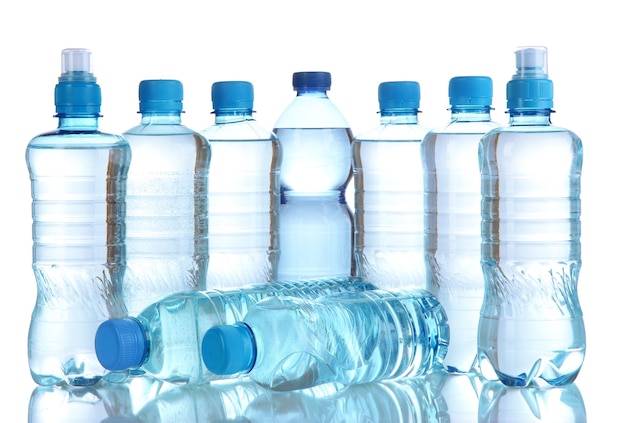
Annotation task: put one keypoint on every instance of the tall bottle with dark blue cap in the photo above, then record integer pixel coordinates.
(78, 181)
(166, 200)
(316, 224)
(452, 213)
(389, 194)
(243, 191)
(531, 328)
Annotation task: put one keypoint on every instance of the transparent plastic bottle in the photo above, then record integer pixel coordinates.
(316, 224)
(243, 191)
(389, 194)
(166, 200)
(164, 340)
(78, 181)
(531, 327)
(452, 214)
(344, 338)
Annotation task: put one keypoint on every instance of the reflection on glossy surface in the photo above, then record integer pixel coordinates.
(67, 404)
(215, 402)
(435, 398)
(403, 400)
(460, 392)
(502, 404)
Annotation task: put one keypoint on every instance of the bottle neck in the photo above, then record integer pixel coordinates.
(529, 117)
(160, 118)
(83, 123)
(396, 117)
(232, 116)
(470, 114)
(312, 93)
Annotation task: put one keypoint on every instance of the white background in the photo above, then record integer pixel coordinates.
(361, 44)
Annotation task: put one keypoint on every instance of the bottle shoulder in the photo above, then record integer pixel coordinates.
(466, 127)
(60, 138)
(311, 112)
(530, 131)
(244, 130)
(394, 132)
(159, 129)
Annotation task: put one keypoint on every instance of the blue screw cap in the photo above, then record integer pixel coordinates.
(470, 91)
(232, 95)
(530, 87)
(229, 349)
(311, 81)
(399, 95)
(121, 344)
(160, 95)
(77, 92)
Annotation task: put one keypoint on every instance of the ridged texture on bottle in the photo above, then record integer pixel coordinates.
(389, 203)
(166, 211)
(243, 203)
(174, 353)
(452, 228)
(78, 181)
(346, 338)
(531, 325)
(316, 224)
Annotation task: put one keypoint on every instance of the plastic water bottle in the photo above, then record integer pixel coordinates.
(316, 224)
(166, 200)
(389, 192)
(531, 326)
(452, 210)
(164, 340)
(78, 177)
(243, 191)
(345, 338)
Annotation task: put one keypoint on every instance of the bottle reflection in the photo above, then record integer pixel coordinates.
(461, 392)
(216, 402)
(502, 404)
(101, 402)
(403, 400)
(437, 397)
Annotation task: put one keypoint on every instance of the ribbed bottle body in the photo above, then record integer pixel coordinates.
(452, 201)
(346, 338)
(531, 324)
(389, 205)
(78, 182)
(166, 213)
(175, 326)
(243, 198)
(316, 223)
